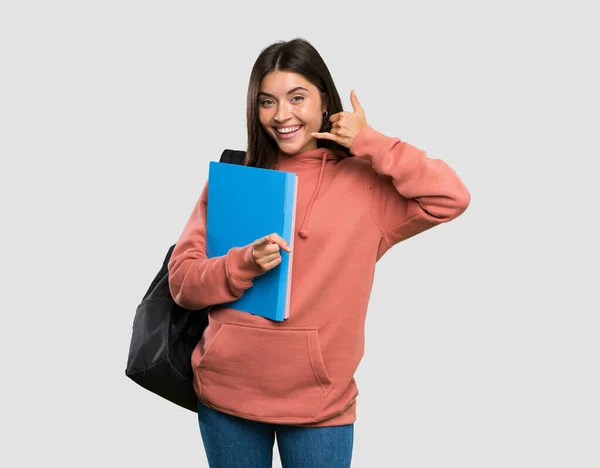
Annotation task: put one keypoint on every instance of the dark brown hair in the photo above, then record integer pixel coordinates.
(297, 56)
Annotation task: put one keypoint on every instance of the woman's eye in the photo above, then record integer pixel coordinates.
(301, 97)
(262, 103)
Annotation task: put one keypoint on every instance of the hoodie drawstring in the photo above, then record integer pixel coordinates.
(303, 231)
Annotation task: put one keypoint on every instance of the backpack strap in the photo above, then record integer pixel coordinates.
(233, 156)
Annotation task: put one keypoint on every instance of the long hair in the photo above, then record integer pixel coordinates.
(297, 56)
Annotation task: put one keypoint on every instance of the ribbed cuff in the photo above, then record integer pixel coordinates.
(368, 142)
(241, 267)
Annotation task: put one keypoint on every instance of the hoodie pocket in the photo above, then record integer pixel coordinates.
(265, 373)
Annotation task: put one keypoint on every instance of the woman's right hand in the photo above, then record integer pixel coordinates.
(265, 251)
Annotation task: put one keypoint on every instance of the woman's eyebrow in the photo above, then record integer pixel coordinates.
(291, 91)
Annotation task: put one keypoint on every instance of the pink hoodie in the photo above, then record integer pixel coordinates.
(350, 212)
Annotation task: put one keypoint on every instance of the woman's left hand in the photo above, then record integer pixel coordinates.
(346, 125)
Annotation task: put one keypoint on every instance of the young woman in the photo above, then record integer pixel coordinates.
(360, 193)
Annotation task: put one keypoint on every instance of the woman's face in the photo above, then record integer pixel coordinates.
(287, 100)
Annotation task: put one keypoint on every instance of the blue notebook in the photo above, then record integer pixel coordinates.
(244, 204)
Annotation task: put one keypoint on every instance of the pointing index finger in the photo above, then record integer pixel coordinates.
(277, 239)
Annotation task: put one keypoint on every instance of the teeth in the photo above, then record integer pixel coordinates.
(289, 129)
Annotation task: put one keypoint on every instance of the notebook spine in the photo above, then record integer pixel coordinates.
(293, 189)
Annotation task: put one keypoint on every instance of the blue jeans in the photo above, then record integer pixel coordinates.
(234, 442)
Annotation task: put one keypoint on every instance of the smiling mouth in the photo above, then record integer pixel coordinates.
(288, 130)
(288, 133)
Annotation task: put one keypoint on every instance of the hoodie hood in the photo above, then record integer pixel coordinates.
(303, 161)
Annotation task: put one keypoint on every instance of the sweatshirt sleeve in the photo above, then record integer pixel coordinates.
(196, 281)
(408, 192)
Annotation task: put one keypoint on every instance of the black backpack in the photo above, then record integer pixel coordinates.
(165, 334)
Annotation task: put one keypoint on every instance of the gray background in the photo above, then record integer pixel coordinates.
(482, 334)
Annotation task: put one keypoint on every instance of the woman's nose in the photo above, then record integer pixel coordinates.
(283, 113)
